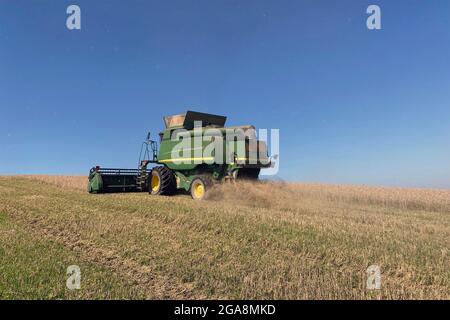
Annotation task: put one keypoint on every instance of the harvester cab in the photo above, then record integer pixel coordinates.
(196, 150)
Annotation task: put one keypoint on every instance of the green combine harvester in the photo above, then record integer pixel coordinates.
(196, 150)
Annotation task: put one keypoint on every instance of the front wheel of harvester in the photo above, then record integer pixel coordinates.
(162, 181)
(199, 186)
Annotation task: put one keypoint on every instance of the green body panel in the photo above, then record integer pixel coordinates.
(193, 157)
(174, 150)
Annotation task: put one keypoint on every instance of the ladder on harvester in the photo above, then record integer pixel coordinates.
(142, 178)
(148, 147)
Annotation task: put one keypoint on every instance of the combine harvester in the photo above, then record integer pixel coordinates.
(197, 168)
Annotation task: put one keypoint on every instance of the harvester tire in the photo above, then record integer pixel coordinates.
(162, 181)
(199, 186)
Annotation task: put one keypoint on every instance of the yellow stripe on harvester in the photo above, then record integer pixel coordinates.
(202, 159)
(186, 159)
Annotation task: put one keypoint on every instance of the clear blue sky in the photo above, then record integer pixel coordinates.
(352, 105)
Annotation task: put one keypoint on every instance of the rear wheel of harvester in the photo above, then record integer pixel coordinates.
(199, 187)
(162, 181)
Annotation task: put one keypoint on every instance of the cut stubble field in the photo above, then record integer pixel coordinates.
(261, 240)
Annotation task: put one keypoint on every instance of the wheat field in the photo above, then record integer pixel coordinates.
(265, 240)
